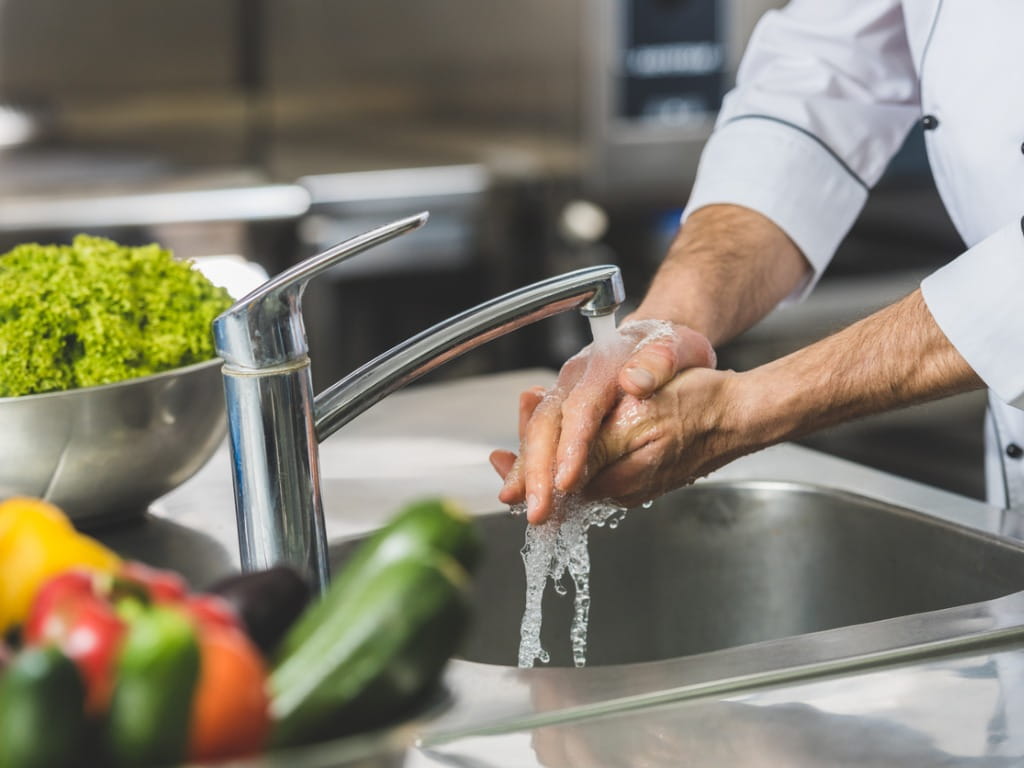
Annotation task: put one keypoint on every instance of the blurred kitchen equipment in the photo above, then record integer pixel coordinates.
(275, 423)
(654, 76)
(409, 283)
(106, 452)
(19, 125)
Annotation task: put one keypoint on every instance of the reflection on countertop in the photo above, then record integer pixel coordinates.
(963, 712)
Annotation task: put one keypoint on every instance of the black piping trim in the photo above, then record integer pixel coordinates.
(807, 133)
(1022, 225)
(999, 456)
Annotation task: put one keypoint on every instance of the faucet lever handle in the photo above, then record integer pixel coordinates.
(264, 328)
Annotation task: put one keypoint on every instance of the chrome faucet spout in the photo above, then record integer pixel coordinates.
(594, 291)
(275, 424)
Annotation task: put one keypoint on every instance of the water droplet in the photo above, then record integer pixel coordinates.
(648, 504)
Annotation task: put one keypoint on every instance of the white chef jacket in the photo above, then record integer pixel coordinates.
(827, 92)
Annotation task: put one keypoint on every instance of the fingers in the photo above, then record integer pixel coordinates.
(613, 466)
(619, 481)
(655, 363)
(582, 413)
(528, 402)
(502, 461)
(538, 455)
(512, 491)
(559, 430)
(539, 435)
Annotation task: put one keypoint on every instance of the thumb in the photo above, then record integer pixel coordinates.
(656, 362)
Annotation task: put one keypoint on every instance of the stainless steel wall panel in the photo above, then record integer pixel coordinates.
(59, 48)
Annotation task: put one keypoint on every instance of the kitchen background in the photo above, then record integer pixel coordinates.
(543, 135)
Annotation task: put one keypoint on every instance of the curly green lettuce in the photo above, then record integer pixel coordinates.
(96, 312)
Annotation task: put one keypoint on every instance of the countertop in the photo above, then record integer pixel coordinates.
(919, 691)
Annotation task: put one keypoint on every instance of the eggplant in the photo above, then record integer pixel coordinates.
(268, 602)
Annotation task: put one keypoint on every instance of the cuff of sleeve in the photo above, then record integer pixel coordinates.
(787, 175)
(976, 301)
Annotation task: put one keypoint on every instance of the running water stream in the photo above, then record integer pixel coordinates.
(551, 549)
(560, 545)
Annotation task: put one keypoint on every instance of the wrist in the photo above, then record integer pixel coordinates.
(765, 407)
(726, 414)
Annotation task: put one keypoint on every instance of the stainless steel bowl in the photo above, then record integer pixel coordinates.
(106, 452)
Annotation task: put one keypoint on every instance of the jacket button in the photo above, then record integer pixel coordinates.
(1014, 451)
(929, 122)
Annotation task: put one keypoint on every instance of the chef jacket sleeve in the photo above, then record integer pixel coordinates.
(976, 301)
(825, 95)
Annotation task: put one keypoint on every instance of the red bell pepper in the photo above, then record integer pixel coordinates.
(161, 586)
(68, 613)
(212, 609)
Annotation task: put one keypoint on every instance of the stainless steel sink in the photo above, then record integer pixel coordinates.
(720, 565)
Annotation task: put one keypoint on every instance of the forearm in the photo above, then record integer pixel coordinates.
(894, 358)
(727, 268)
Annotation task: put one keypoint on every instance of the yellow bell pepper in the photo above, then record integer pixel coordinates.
(38, 541)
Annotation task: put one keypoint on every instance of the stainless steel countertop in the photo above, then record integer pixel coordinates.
(920, 690)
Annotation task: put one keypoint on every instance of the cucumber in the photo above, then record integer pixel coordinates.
(374, 653)
(157, 670)
(426, 525)
(42, 711)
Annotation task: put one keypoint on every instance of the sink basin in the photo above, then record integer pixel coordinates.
(719, 565)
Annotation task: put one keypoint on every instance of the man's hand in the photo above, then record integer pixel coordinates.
(646, 447)
(557, 427)
(703, 419)
(695, 424)
(726, 269)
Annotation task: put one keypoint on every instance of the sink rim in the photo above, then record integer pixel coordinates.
(615, 688)
(730, 671)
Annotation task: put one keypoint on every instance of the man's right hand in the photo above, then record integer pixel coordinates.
(727, 267)
(557, 427)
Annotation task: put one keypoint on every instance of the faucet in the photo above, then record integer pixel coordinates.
(275, 423)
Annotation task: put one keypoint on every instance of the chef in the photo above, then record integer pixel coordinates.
(825, 95)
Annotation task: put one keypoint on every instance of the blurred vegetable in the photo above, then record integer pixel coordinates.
(95, 312)
(268, 601)
(37, 541)
(213, 609)
(151, 674)
(159, 584)
(379, 638)
(42, 719)
(374, 655)
(150, 713)
(68, 612)
(425, 525)
(231, 708)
